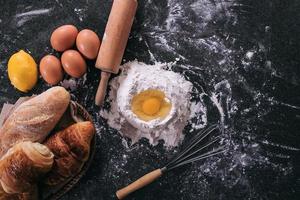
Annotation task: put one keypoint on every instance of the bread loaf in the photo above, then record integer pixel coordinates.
(34, 119)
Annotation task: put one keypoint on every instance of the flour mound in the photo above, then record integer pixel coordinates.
(137, 77)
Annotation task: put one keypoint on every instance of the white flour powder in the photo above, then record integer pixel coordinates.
(137, 77)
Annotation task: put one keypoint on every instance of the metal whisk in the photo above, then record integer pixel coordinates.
(194, 151)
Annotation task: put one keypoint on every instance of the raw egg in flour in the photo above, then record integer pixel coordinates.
(150, 104)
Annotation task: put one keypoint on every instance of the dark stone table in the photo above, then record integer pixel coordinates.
(246, 52)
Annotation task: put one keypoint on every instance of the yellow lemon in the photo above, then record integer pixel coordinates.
(22, 71)
(150, 104)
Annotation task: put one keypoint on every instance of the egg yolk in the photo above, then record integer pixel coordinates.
(150, 104)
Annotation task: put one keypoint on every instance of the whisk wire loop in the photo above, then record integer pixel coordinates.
(197, 139)
(189, 154)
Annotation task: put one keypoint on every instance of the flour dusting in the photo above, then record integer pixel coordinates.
(137, 77)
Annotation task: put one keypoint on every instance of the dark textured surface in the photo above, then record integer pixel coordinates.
(244, 51)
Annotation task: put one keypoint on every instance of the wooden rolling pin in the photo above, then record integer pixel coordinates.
(114, 42)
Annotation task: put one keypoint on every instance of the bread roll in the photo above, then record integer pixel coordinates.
(34, 119)
(71, 148)
(21, 167)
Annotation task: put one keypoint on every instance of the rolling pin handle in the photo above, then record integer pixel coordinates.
(101, 91)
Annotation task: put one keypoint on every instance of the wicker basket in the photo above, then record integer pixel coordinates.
(75, 113)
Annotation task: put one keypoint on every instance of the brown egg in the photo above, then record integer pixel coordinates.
(88, 43)
(63, 37)
(73, 63)
(51, 70)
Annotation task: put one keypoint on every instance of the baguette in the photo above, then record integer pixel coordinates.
(34, 119)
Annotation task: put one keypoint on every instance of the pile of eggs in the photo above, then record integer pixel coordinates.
(72, 61)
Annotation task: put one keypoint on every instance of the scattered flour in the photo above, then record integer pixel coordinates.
(250, 54)
(69, 84)
(137, 77)
(22, 18)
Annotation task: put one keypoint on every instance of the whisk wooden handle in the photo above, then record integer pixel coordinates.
(141, 182)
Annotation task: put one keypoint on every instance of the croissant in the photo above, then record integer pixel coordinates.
(21, 167)
(34, 119)
(71, 149)
(31, 195)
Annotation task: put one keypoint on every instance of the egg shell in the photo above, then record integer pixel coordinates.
(63, 37)
(88, 43)
(51, 69)
(73, 63)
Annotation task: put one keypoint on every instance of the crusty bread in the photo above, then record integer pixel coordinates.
(34, 119)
